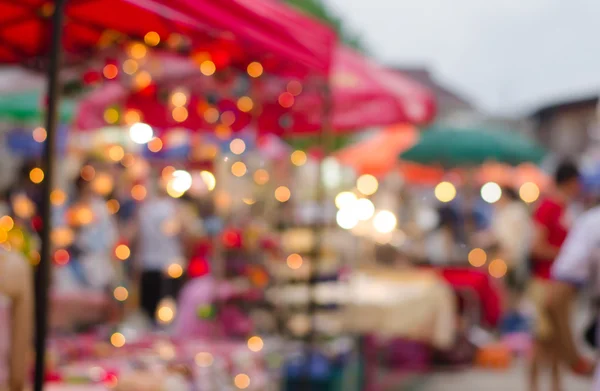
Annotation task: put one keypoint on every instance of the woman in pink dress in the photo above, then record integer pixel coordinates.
(16, 320)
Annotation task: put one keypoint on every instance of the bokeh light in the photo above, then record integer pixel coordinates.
(122, 252)
(155, 145)
(120, 293)
(238, 169)
(298, 158)
(477, 257)
(283, 194)
(261, 176)
(181, 181)
(103, 183)
(364, 209)
(384, 221)
(209, 180)
(344, 199)
(141, 133)
(491, 192)
(58, 197)
(36, 175)
(208, 68)
(294, 261)
(40, 134)
(445, 192)
(116, 153)
(152, 38)
(228, 118)
(165, 312)
(294, 87)
(255, 69)
(88, 173)
(110, 71)
(498, 268)
(237, 146)
(130, 66)
(6, 223)
(113, 206)
(62, 236)
(139, 192)
(117, 340)
(61, 257)
(204, 359)
(255, 344)
(138, 50)
(111, 115)
(529, 192)
(242, 381)
(245, 104)
(211, 115)
(142, 80)
(175, 270)
(346, 217)
(367, 184)
(180, 114)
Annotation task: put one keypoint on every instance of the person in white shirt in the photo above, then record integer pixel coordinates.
(578, 264)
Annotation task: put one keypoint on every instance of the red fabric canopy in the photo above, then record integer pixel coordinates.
(262, 29)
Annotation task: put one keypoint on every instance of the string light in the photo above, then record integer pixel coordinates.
(122, 252)
(208, 68)
(299, 158)
(40, 134)
(367, 184)
(255, 69)
(445, 192)
(36, 175)
(282, 194)
(152, 38)
(477, 257)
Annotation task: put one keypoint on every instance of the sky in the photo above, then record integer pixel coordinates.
(505, 56)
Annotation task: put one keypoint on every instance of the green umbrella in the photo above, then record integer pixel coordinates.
(456, 147)
(27, 107)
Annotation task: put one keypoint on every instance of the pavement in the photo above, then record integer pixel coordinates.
(514, 379)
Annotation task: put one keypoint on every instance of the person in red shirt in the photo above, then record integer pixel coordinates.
(552, 338)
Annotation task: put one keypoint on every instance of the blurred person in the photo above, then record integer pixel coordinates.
(442, 243)
(16, 320)
(159, 245)
(551, 225)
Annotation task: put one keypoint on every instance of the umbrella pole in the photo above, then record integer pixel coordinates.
(44, 268)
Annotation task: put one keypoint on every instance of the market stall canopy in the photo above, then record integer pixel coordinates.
(455, 147)
(29, 107)
(256, 27)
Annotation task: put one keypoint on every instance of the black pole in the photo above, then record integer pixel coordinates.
(44, 268)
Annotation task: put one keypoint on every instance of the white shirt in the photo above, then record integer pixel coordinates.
(579, 258)
(159, 244)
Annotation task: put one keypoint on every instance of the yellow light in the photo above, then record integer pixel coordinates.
(23, 206)
(130, 66)
(117, 340)
(445, 191)
(35, 258)
(155, 145)
(477, 257)
(88, 173)
(367, 184)
(40, 134)
(120, 293)
(255, 344)
(529, 192)
(116, 153)
(6, 223)
(242, 381)
(175, 270)
(178, 99)
(62, 236)
(208, 68)
(180, 114)
(142, 80)
(248, 201)
(282, 194)
(255, 69)
(110, 71)
(245, 104)
(167, 172)
(238, 169)
(211, 115)
(345, 199)
(261, 177)
(209, 180)
(103, 183)
(498, 268)
(165, 314)
(111, 115)
(152, 38)
(58, 197)
(385, 222)
(138, 192)
(132, 117)
(36, 175)
(204, 359)
(122, 252)
(3, 236)
(222, 131)
(294, 261)
(83, 215)
(113, 206)
(237, 146)
(138, 51)
(299, 158)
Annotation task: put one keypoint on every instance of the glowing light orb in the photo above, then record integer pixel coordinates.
(141, 133)
(445, 192)
(491, 192)
(384, 221)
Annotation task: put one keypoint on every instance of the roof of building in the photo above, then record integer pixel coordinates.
(566, 103)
